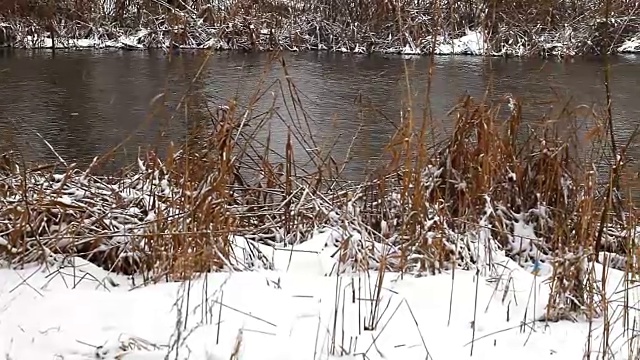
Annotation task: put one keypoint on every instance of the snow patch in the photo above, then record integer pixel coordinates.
(631, 46)
(473, 43)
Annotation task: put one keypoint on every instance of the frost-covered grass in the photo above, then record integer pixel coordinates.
(497, 239)
(500, 28)
(428, 210)
(631, 45)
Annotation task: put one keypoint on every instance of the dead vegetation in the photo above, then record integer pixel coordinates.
(565, 28)
(214, 202)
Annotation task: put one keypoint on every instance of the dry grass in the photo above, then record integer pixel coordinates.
(211, 202)
(520, 27)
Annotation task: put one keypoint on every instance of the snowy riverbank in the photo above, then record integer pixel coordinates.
(293, 312)
(319, 299)
(473, 43)
(306, 32)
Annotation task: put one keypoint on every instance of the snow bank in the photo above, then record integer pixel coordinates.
(73, 310)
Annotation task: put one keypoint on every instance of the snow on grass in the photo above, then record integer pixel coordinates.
(74, 310)
(631, 46)
(472, 43)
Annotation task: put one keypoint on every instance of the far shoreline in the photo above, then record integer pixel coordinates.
(473, 43)
(195, 50)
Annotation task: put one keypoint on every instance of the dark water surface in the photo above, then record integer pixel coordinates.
(85, 102)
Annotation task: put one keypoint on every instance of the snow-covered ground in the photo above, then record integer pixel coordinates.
(297, 311)
(472, 43)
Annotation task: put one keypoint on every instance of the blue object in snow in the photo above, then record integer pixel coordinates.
(536, 267)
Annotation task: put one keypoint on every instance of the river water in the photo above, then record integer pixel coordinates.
(85, 102)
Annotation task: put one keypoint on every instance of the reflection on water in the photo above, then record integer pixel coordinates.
(84, 103)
